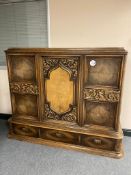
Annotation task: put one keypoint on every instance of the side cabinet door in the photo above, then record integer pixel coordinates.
(23, 86)
(60, 75)
(102, 90)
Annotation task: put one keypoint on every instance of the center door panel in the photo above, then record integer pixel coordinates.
(60, 74)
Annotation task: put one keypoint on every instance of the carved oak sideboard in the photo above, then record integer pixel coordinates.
(67, 97)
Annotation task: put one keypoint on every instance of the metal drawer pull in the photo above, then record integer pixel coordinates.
(59, 134)
(97, 141)
(25, 129)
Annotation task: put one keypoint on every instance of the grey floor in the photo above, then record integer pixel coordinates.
(21, 158)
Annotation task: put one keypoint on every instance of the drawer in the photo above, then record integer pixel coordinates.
(60, 136)
(98, 142)
(25, 130)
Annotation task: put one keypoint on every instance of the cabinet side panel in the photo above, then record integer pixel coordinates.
(122, 71)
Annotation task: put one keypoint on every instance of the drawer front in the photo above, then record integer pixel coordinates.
(98, 142)
(60, 136)
(25, 130)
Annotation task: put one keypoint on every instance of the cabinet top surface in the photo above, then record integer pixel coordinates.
(105, 50)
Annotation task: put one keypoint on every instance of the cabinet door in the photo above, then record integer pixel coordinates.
(102, 90)
(60, 88)
(23, 86)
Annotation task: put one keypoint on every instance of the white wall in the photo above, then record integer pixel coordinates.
(5, 106)
(95, 23)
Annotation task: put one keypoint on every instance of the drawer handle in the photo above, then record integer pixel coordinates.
(59, 134)
(97, 141)
(25, 129)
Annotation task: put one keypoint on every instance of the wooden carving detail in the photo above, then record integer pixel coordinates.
(71, 63)
(50, 114)
(69, 116)
(102, 95)
(24, 88)
(49, 64)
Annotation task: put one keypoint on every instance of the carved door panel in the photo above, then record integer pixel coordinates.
(60, 84)
(102, 85)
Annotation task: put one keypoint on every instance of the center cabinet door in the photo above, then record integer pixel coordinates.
(60, 88)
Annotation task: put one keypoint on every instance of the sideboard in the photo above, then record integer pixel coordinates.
(67, 97)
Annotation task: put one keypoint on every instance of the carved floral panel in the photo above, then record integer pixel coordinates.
(70, 63)
(24, 88)
(102, 95)
(69, 116)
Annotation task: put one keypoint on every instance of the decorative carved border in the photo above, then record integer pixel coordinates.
(24, 88)
(69, 116)
(71, 63)
(48, 64)
(102, 95)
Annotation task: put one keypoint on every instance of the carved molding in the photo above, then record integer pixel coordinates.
(69, 116)
(71, 63)
(24, 88)
(48, 64)
(102, 95)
